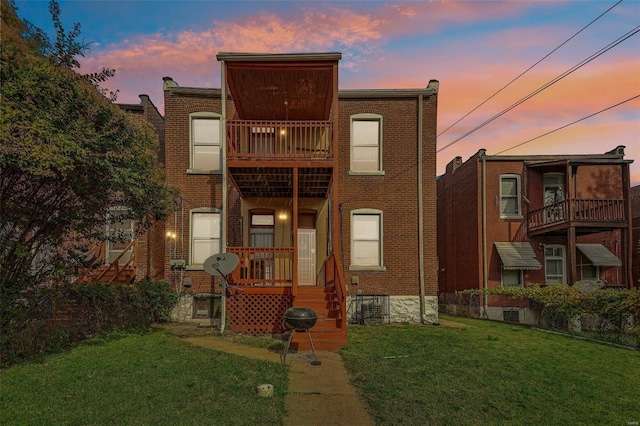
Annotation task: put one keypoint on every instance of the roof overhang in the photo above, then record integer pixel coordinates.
(517, 255)
(599, 255)
(293, 86)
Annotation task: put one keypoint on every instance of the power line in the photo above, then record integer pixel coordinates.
(413, 165)
(528, 69)
(567, 125)
(547, 85)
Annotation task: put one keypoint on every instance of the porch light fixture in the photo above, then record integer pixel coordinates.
(282, 216)
(171, 235)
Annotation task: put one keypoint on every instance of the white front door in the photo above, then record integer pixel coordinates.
(306, 256)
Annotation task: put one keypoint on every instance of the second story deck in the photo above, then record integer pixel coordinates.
(587, 215)
(284, 141)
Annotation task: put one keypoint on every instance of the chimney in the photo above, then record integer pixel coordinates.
(169, 83)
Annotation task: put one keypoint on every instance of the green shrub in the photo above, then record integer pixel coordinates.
(556, 305)
(45, 320)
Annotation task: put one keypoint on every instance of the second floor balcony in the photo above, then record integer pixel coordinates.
(580, 213)
(279, 140)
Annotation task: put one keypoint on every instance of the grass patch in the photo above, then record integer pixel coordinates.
(143, 379)
(490, 373)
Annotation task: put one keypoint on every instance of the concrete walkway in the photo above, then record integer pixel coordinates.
(318, 394)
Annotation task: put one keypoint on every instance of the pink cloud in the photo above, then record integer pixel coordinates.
(468, 70)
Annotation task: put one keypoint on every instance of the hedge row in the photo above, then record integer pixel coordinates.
(560, 304)
(44, 320)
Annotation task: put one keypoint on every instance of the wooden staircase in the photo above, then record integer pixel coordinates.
(330, 331)
(113, 273)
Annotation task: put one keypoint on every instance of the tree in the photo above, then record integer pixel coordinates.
(67, 155)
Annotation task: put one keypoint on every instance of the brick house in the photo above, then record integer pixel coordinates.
(327, 197)
(531, 219)
(139, 254)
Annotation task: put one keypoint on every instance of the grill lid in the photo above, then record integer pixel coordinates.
(300, 318)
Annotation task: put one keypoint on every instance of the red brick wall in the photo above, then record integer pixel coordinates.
(395, 194)
(459, 228)
(196, 190)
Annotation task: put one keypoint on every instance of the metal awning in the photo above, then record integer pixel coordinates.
(517, 255)
(599, 255)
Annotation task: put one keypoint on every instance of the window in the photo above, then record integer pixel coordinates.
(205, 142)
(366, 143)
(511, 277)
(554, 259)
(366, 240)
(510, 196)
(588, 271)
(553, 188)
(205, 234)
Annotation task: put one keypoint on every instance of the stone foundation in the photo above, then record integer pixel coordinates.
(400, 309)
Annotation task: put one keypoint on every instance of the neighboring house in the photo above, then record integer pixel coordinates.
(531, 219)
(132, 255)
(635, 223)
(325, 196)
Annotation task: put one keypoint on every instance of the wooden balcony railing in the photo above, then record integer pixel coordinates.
(577, 210)
(263, 266)
(248, 139)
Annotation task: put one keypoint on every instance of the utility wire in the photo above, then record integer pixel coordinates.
(413, 165)
(567, 125)
(547, 85)
(528, 69)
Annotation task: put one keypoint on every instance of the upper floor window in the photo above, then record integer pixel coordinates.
(205, 234)
(366, 144)
(366, 240)
(510, 196)
(206, 151)
(553, 188)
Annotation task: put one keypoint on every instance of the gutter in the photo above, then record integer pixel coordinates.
(485, 268)
(420, 214)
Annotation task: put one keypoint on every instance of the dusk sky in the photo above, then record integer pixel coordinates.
(474, 48)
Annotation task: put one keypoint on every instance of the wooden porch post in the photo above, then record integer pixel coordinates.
(572, 269)
(335, 231)
(294, 221)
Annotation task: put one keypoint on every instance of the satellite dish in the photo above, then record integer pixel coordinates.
(221, 264)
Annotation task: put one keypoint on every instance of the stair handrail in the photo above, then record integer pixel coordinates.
(115, 263)
(337, 279)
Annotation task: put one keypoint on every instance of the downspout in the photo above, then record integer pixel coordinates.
(223, 216)
(420, 215)
(485, 277)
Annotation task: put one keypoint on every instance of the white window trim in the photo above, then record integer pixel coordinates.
(378, 268)
(564, 263)
(199, 266)
(511, 285)
(191, 170)
(519, 197)
(366, 117)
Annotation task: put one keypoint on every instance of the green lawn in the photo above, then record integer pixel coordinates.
(150, 379)
(491, 373)
(485, 374)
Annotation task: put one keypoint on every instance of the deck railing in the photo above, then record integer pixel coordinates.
(250, 139)
(263, 266)
(580, 210)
